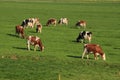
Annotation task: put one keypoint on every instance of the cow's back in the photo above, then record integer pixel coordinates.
(95, 48)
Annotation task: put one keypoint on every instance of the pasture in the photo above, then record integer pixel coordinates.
(62, 55)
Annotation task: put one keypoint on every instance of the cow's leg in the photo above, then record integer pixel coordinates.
(77, 39)
(32, 25)
(23, 36)
(19, 35)
(28, 45)
(35, 47)
(95, 56)
(89, 39)
(82, 40)
(84, 52)
(84, 25)
(87, 56)
(40, 30)
(54, 23)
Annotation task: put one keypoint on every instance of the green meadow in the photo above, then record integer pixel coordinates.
(61, 59)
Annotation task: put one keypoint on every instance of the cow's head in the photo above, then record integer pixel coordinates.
(59, 21)
(104, 57)
(40, 45)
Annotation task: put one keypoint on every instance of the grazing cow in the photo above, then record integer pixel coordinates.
(63, 21)
(25, 22)
(39, 28)
(35, 41)
(95, 49)
(84, 35)
(81, 24)
(51, 21)
(31, 22)
(20, 31)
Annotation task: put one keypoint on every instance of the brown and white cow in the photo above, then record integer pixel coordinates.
(39, 28)
(95, 49)
(51, 21)
(63, 21)
(35, 41)
(81, 24)
(20, 31)
(83, 36)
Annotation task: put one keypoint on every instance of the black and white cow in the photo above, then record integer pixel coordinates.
(84, 35)
(30, 22)
(63, 21)
(25, 22)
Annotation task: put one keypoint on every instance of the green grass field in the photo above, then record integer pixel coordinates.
(62, 55)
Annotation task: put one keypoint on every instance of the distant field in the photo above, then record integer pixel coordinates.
(62, 55)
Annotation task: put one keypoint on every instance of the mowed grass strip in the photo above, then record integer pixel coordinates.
(62, 55)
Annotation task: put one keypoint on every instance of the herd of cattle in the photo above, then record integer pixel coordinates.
(36, 41)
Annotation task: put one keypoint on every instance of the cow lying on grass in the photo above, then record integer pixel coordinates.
(84, 35)
(20, 31)
(95, 49)
(35, 41)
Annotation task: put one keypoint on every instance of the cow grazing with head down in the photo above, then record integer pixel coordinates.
(81, 24)
(95, 49)
(30, 22)
(84, 35)
(25, 23)
(35, 41)
(63, 21)
(51, 21)
(20, 31)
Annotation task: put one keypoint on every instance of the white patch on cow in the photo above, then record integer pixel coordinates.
(81, 24)
(97, 54)
(104, 57)
(63, 21)
(30, 37)
(30, 24)
(37, 38)
(91, 52)
(86, 36)
(32, 43)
